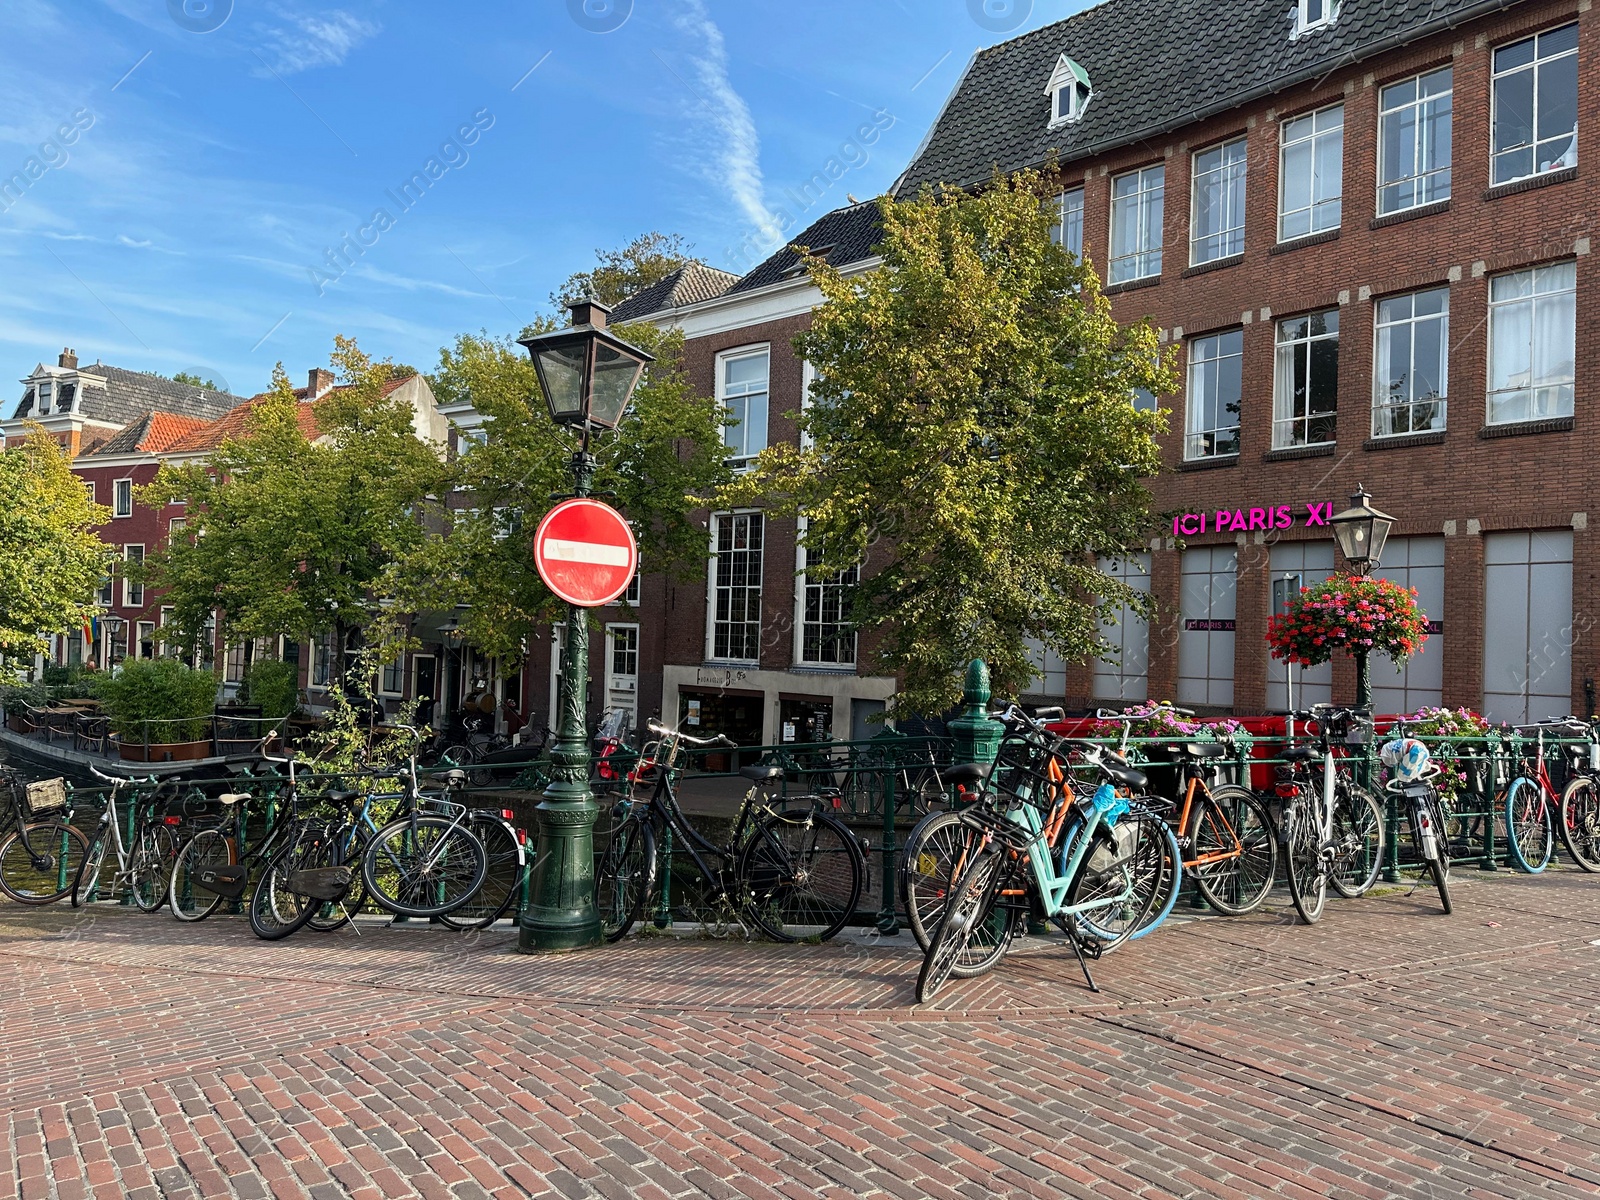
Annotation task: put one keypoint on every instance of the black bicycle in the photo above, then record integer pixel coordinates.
(794, 871)
(41, 857)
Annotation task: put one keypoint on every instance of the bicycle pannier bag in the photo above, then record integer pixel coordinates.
(225, 880)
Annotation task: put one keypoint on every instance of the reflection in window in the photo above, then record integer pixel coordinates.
(1532, 338)
(1410, 370)
(1414, 142)
(1215, 366)
(1536, 105)
(1306, 383)
(1311, 173)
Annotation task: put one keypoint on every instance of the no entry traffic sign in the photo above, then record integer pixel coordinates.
(585, 552)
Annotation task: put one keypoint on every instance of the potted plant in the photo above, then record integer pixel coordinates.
(160, 710)
(17, 699)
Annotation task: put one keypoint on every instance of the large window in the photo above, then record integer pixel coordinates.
(133, 589)
(1536, 105)
(1292, 566)
(1414, 142)
(1311, 173)
(1527, 659)
(742, 387)
(1126, 635)
(1215, 383)
(1068, 229)
(1306, 380)
(1206, 629)
(1136, 224)
(1410, 367)
(736, 543)
(1532, 343)
(1216, 218)
(826, 636)
(1414, 562)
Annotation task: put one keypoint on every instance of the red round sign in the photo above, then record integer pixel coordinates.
(585, 552)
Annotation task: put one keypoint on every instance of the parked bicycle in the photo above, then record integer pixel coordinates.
(792, 870)
(1412, 771)
(41, 856)
(145, 864)
(1331, 829)
(1534, 810)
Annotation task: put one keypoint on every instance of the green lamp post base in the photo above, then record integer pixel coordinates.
(561, 915)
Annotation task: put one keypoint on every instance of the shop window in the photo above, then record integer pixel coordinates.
(1050, 672)
(1292, 566)
(736, 541)
(1416, 562)
(1532, 343)
(1536, 105)
(1311, 173)
(1215, 384)
(1207, 612)
(1306, 381)
(1216, 220)
(1414, 142)
(1527, 659)
(1411, 365)
(1126, 635)
(1136, 203)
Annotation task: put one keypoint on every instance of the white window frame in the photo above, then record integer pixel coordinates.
(117, 493)
(1291, 429)
(1383, 331)
(1068, 81)
(740, 456)
(1422, 110)
(324, 655)
(802, 603)
(612, 650)
(1538, 301)
(1285, 145)
(137, 649)
(712, 589)
(164, 618)
(88, 488)
(1230, 176)
(176, 525)
(1536, 65)
(1192, 431)
(129, 585)
(1314, 14)
(1149, 199)
(1068, 202)
(631, 596)
(44, 402)
(394, 671)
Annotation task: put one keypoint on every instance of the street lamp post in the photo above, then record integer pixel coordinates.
(113, 626)
(1361, 532)
(587, 376)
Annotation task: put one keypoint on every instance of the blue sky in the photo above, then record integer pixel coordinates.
(189, 164)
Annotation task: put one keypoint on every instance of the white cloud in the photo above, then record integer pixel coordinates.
(304, 41)
(134, 242)
(737, 149)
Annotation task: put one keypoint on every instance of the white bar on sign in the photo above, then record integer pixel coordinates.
(596, 553)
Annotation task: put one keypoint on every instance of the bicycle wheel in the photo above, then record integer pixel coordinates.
(88, 881)
(625, 876)
(1308, 869)
(1135, 856)
(150, 866)
(40, 862)
(502, 876)
(934, 854)
(800, 875)
(276, 910)
(1530, 835)
(972, 898)
(423, 866)
(186, 899)
(1580, 822)
(1439, 864)
(1166, 899)
(1359, 839)
(1231, 847)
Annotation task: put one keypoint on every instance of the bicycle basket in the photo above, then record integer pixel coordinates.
(1022, 771)
(46, 796)
(989, 819)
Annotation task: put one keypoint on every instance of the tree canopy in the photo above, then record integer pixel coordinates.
(972, 441)
(618, 274)
(51, 562)
(291, 524)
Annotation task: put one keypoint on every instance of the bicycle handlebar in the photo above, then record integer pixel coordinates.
(720, 739)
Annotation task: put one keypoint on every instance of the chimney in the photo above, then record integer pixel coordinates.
(69, 358)
(318, 383)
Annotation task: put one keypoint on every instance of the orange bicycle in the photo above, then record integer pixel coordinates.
(1224, 833)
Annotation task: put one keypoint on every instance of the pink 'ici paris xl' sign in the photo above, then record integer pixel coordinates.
(1246, 520)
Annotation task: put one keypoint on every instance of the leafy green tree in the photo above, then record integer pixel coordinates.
(293, 524)
(667, 453)
(973, 441)
(642, 263)
(193, 380)
(51, 562)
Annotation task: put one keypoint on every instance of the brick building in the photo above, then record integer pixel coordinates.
(1363, 230)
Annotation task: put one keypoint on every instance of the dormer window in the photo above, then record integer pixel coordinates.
(1070, 91)
(1313, 14)
(46, 395)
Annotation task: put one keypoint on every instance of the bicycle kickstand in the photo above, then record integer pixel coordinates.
(1077, 949)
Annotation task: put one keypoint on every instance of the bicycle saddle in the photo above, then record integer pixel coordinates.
(452, 776)
(1300, 754)
(967, 773)
(231, 798)
(1199, 750)
(1128, 777)
(340, 797)
(761, 772)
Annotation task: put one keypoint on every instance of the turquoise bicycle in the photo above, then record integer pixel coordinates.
(1098, 866)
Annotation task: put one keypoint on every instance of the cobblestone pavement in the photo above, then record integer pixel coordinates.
(1388, 1051)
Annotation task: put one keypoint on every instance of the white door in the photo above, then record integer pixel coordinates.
(622, 672)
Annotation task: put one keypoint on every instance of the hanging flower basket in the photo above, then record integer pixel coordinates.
(1348, 613)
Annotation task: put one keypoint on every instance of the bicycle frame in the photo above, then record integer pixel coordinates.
(663, 802)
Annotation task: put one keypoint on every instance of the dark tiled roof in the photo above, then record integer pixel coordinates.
(689, 284)
(1154, 67)
(153, 432)
(847, 234)
(129, 395)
